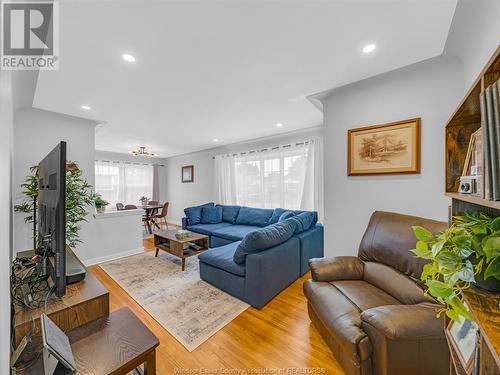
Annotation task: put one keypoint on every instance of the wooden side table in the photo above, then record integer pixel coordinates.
(114, 345)
(185, 248)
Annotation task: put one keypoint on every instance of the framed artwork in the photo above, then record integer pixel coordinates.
(384, 149)
(187, 173)
(462, 336)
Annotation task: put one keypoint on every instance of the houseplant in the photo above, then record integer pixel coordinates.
(100, 204)
(78, 197)
(465, 254)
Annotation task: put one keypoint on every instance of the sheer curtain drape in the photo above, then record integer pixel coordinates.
(121, 182)
(287, 176)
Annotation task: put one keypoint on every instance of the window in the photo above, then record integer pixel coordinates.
(271, 179)
(124, 183)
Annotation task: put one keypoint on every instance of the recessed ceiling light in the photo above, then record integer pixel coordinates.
(369, 48)
(128, 57)
(279, 124)
(86, 107)
(216, 140)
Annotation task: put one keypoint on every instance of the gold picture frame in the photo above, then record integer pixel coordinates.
(392, 148)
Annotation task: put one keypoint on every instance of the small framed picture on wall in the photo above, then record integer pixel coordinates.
(384, 149)
(187, 173)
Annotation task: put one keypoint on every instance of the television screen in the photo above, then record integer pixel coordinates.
(51, 207)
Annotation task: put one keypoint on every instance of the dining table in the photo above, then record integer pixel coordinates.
(149, 211)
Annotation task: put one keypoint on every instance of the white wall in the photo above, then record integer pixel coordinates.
(474, 36)
(430, 90)
(162, 170)
(36, 133)
(202, 190)
(6, 121)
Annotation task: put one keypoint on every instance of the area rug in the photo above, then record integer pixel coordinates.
(186, 306)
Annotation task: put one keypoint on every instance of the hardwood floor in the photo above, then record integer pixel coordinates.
(278, 336)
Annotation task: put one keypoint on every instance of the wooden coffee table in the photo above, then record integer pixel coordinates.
(193, 245)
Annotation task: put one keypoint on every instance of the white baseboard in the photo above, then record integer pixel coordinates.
(107, 258)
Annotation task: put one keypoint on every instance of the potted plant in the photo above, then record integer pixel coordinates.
(78, 198)
(100, 204)
(465, 254)
(144, 200)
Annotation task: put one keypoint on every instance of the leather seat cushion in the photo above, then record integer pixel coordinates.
(364, 295)
(340, 317)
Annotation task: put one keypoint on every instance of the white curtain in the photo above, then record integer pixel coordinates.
(123, 182)
(287, 176)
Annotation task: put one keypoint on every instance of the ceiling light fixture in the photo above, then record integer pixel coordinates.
(369, 48)
(215, 140)
(128, 58)
(279, 124)
(86, 107)
(141, 152)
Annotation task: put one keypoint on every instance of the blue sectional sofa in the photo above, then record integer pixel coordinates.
(255, 253)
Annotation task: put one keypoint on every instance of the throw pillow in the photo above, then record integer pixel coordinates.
(304, 221)
(211, 215)
(254, 216)
(193, 214)
(264, 238)
(229, 213)
(276, 215)
(286, 215)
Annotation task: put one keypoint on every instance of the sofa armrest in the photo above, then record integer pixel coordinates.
(336, 268)
(405, 321)
(270, 271)
(184, 222)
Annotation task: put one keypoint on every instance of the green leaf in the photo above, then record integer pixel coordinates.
(429, 270)
(422, 250)
(491, 247)
(495, 224)
(439, 289)
(462, 242)
(437, 247)
(422, 234)
(493, 269)
(452, 314)
(449, 261)
(466, 273)
(456, 304)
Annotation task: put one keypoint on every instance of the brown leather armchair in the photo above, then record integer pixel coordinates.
(371, 309)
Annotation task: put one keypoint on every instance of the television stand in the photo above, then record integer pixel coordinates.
(84, 301)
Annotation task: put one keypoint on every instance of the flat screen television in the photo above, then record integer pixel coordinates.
(51, 215)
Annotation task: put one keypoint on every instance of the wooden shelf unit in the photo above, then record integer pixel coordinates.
(484, 306)
(459, 128)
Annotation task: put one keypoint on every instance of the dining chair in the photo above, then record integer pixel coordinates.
(119, 206)
(152, 203)
(162, 216)
(130, 207)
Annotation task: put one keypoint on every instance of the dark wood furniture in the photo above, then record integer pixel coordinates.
(83, 302)
(484, 306)
(193, 245)
(149, 211)
(112, 345)
(463, 122)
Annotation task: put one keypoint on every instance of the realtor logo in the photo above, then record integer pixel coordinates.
(30, 35)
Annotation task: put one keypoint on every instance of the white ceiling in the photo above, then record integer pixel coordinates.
(226, 70)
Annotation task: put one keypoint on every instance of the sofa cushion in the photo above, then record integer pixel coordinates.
(264, 238)
(234, 232)
(364, 295)
(304, 221)
(193, 214)
(211, 215)
(286, 215)
(276, 215)
(206, 228)
(222, 258)
(229, 213)
(340, 319)
(254, 216)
